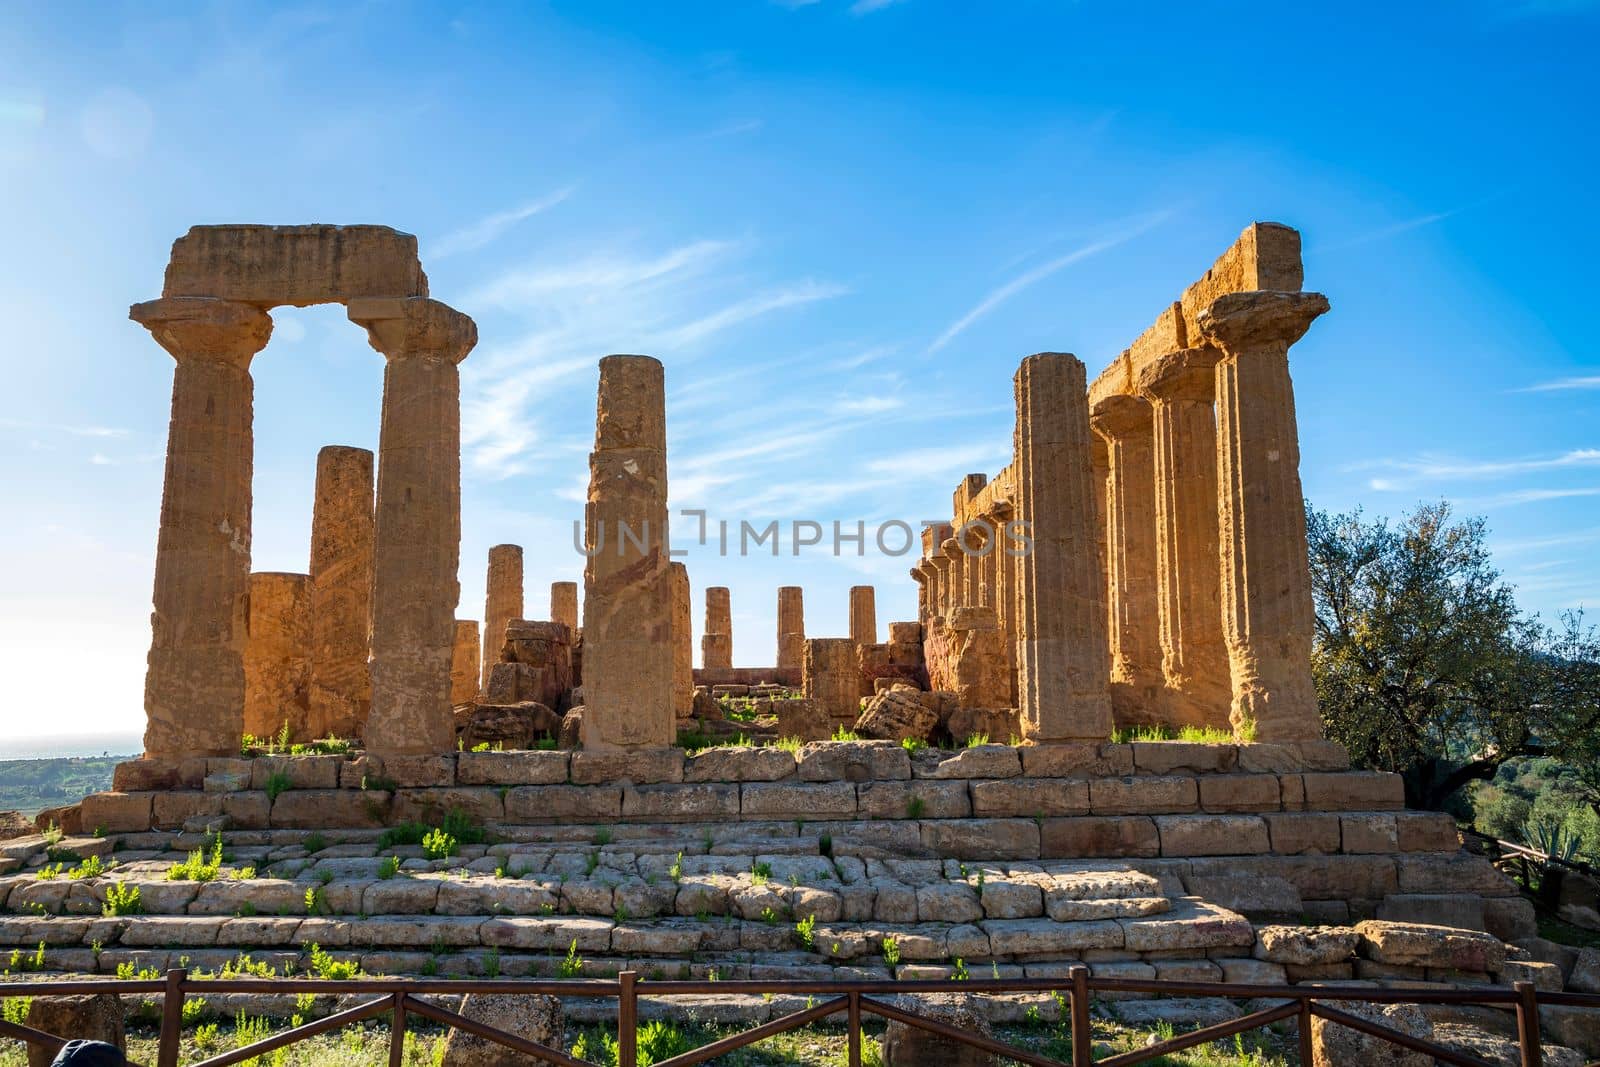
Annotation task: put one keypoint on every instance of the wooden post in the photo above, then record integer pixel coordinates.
(1082, 1046)
(855, 1029)
(397, 1030)
(628, 1021)
(1307, 1055)
(171, 1018)
(1528, 1024)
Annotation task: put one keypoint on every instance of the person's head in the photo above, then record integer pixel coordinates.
(89, 1054)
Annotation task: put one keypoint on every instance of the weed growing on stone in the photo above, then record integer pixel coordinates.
(122, 899)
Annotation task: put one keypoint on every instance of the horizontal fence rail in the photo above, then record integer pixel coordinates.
(401, 998)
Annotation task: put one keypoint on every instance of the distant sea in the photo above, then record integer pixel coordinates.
(56, 746)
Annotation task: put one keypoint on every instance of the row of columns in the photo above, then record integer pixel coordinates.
(716, 643)
(194, 684)
(1167, 579)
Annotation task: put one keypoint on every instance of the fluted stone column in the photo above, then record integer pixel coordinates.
(791, 626)
(464, 668)
(716, 642)
(1194, 656)
(863, 615)
(941, 583)
(341, 592)
(1266, 576)
(920, 575)
(277, 655)
(627, 598)
(1100, 466)
(1061, 645)
(1124, 423)
(564, 605)
(417, 535)
(194, 685)
(502, 601)
(682, 644)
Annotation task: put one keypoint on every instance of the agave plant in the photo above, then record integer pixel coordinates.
(1557, 844)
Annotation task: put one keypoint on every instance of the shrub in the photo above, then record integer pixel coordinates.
(805, 932)
(336, 970)
(572, 966)
(276, 784)
(122, 899)
(438, 845)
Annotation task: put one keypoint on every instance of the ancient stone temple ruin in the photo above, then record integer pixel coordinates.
(983, 787)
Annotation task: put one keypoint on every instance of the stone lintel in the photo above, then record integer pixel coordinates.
(295, 265)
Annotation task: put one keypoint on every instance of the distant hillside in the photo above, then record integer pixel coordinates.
(30, 785)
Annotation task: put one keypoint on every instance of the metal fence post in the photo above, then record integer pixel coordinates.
(1082, 1045)
(1528, 1024)
(627, 1021)
(171, 1018)
(397, 1030)
(855, 1029)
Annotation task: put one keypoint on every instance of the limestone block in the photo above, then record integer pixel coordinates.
(1333, 1045)
(639, 765)
(739, 765)
(1298, 832)
(115, 813)
(897, 715)
(547, 803)
(430, 806)
(1211, 835)
(1585, 977)
(311, 809)
(1183, 757)
(1028, 797)
(414, 772)
(1064, 909)
(297, 265)
(982, 839)
(908, 1046)
(300, 772)
(506, 726)
(1192, 923)
(1240, 792)
(1135, 796)
(97, 1017)
(1576, 1027)
(852, 761)
(1368, 833)
(1461, 910)
(545, 649)
(1029, 937)
(531, 1017)
(1251, 895)
(979, 761)
(465, 662)
(511, 768)
(1426, 831)
(1510, 918)
(913, 800)
(1077, 761)
(1354, 791)
(905, 633)
(676, 803)
(797, 800)
(1424, 945)
(1344, 878)
(1099, 837)
(1457, 872)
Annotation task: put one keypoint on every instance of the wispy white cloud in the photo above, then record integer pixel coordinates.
(740, 311)
(869, 405)
(1022, 281)
(867, 7)
(74, 429)
(1533, 496)
(487, 229)
(516, 289)
(1410, 472)
(1562, 385)
(1391, 230)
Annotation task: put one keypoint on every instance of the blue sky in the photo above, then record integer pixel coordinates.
(839, 224)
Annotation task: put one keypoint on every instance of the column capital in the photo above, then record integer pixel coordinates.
(951, 547)
(1237, 322)
(408, 327)
(205, 328)
(1121, 415)
(1189, 374)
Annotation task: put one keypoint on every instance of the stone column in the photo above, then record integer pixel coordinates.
(941, 583)
(791, 626)
(1062, 658)
(1100, 465)
(502, 601)
(194, 685)
(1124, 423)
(831, 676)
(1194, 655)
(341, 592)
(682, 644)
(627, 596)
(1266, 577)
(863, 615)
(417, 533)
(277, 655)
(464, 671)
(564, 605)
(716, 645)
(957, 596)
(919, 574)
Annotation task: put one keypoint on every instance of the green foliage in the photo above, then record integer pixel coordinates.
(975, 740)
(915, 806)
(761, 872)
(48, 873)
(891, 953)
(769, 916)
(491, 963)
(195, 1009)
(22, 964)
(198, 867)
(842, 734)
(913, 744)
(675, 872)
(31, 785)
(438, 845)
(388, 868)
(1199, 735)
(122, 899)
(325, 966)
(602, 836)
(572, 966)
(1424, 665)
(314, 842)
(960, 973)
(788, 744)
(277, 782)
(406, 833)
(52, 835)
(660, 1040)
(805, 932)
(14, 1010)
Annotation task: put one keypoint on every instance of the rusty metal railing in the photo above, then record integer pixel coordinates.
(401, 998)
